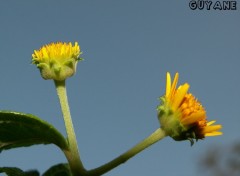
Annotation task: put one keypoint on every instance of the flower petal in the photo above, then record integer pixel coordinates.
(168, 84)
(216, 133)
(210, 129)
(193, 118)
(174, 85)
(211, 122)
(181, 92)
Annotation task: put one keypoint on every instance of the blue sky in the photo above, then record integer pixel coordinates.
(128, 46)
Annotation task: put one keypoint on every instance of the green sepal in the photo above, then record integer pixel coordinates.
(22, 130)
(70, 63)
(13, 171)
(58, 170)
(80, 59)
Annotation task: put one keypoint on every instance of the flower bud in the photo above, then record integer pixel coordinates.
(57, 61)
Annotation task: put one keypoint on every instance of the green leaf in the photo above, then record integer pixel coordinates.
(58, 170)
(13, 171)
(22, 130)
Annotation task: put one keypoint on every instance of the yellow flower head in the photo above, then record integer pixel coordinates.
(57, 61)
(182, 116)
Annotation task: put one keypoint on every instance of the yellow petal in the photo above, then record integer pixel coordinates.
(181, 92)
(210, 129)
(45, 53)
(173, 87)
(168, 84)
(195, 117)
(216, 133)
(211, 122)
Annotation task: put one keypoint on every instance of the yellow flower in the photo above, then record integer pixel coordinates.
(57, 60)
(182, 116)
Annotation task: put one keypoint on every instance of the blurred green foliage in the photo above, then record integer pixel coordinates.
(221, 160)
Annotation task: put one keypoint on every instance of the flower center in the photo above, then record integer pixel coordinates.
(189, 106)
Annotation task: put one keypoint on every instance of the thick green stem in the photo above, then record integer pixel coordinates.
(153, 138)
(72, 154)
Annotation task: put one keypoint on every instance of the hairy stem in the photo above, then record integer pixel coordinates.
(153, 138)
(72, 154)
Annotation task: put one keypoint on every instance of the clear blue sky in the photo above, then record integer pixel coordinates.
(128, 47)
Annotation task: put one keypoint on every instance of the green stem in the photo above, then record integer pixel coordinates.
(72, 154)
(153, 138)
